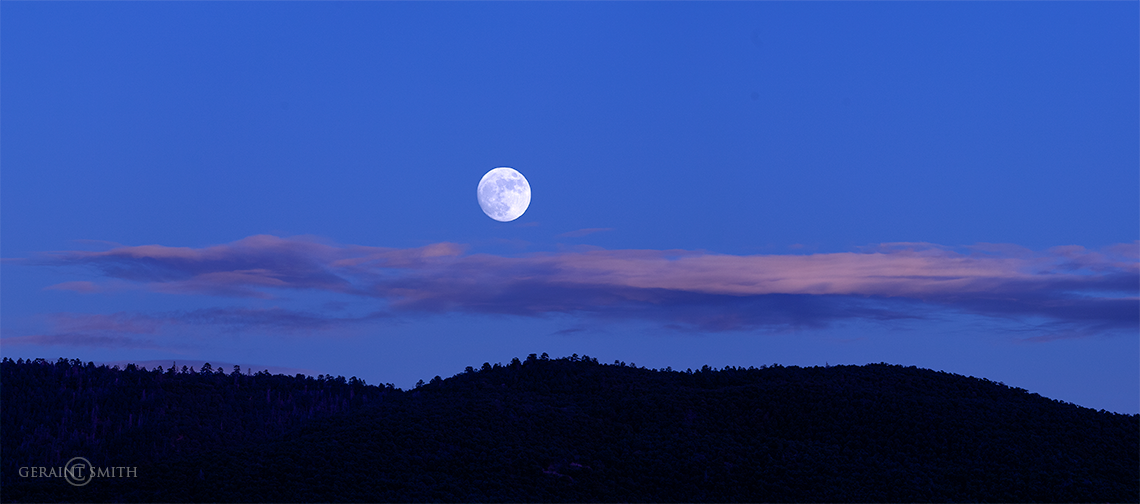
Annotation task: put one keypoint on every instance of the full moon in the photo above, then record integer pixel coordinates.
(504, 194)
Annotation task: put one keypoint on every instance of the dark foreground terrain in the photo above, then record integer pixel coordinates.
(567, 429)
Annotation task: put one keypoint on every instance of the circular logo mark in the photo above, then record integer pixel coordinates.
(78, 471)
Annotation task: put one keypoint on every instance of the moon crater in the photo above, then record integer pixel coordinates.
(504, 194)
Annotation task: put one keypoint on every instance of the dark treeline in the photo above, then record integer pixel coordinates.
(53, 411)
(568, 429)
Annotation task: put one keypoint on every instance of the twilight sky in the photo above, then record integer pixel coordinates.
(291, 186)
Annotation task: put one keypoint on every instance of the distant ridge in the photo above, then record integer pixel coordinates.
(566, 430)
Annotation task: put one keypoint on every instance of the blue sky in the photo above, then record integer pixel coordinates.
(292, 185)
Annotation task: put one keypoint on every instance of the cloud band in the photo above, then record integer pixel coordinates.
(1069, 287)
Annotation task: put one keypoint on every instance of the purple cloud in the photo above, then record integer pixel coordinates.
(139, 330)
(1094, 290)
(247, 267)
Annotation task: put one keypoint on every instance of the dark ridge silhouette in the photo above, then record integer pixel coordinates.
(566, 430)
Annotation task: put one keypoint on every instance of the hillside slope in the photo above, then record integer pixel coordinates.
(574, 430)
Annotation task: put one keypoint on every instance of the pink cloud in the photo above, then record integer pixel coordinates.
(715, 291)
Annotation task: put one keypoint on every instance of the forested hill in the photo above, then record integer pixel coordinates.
(566, 429)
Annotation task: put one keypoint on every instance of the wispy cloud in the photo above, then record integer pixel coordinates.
(1070, 286)
(83, 340)
(150, 330)
(583, 232)
(119, 323)
(83, 287)
(250, 267)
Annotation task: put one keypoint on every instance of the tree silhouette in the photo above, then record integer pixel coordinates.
(564, 429)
